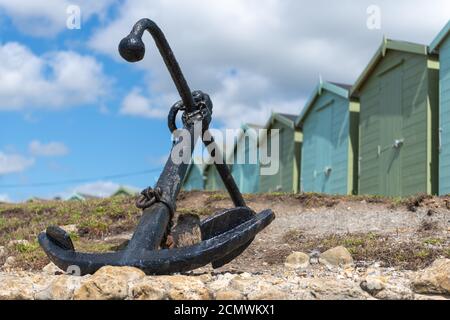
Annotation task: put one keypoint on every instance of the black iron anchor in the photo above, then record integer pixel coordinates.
(225, 235)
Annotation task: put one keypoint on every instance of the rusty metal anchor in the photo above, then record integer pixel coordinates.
(225, 235)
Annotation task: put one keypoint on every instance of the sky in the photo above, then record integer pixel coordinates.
(72, 111)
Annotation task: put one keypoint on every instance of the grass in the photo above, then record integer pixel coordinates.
(96, 219)
(412, 255)
(218, 197)
(201, 212)
(434, 241)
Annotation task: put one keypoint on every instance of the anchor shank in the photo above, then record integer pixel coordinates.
(169, 59)
(150, 230)
(153, 225)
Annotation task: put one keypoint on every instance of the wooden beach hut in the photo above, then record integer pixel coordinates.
(194, 178)
(287, 177)
(398, 121)
(329, 122)
(244, 159)
(441, 47)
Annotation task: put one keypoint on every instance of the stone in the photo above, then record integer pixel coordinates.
(373, 284)
(395, 291)
(258, 288)
(267, 293)
(385, 288)
(71, 228)
(314, 256)
(20, 286)
(15, 243)
(149, 289)
(244, 284)
(422, 297)
(108, 283)
(336, 257)
(330, 289)
(297, 260)
(229, 295)
(9, 262)
(2, 252)
(222, 282)
(62, 288)
(433, 280)
(52, 269)
(185, 288)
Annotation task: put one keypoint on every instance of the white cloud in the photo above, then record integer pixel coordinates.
(14, 163)
(51, 149)
(4, 198)
(278, 48)
(101, 189)
(54, 80)
(46, 18)
(135, 104)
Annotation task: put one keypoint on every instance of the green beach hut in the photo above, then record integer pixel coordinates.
(329, 122)
(213, 181)
(193, 180)
(287, 177)
(441, 46)
(244, 159)
(125, 192)
(211, 177)
(398, 121)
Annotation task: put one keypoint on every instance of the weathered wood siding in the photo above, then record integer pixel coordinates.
(283, 181)
(395, 104)
(444, 98)
(213, 180)
(246, 175)
(326, 145)
(194, 179)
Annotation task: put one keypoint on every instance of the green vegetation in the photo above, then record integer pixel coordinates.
(412, 255)
(97, 219)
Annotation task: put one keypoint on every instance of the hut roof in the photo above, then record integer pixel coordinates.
(339, 89)
(386, 45)
(434, 46)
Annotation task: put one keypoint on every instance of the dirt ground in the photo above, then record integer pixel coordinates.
(402, 233)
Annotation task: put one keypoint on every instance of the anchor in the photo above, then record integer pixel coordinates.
(225, 235)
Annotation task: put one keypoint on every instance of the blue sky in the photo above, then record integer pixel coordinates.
(71, 109)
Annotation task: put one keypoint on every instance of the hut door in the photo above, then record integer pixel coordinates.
(323, 168)
(391, 138)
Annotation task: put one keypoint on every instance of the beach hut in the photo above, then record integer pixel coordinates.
(287, 177)
(329, 122)
(213, 181)
(76, 197)
(211, 177)
(244, 159)
(194, 178)
(398, 121)
(124, 192)
(441, 46)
